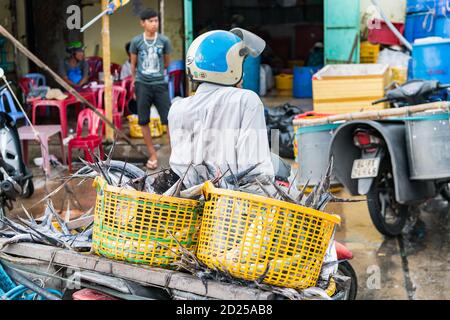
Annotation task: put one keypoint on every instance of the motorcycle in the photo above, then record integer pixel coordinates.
(381, 158)
(15, 179)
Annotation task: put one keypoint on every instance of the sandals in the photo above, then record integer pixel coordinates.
(152, 164)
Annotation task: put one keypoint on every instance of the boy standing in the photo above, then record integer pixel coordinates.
(150, 56)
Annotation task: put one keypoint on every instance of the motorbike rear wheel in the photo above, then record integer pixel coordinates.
(388, 216)
(346, 269)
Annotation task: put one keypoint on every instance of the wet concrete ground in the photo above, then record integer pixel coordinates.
(392, 269)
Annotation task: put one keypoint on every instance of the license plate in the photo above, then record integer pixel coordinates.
(365, 168)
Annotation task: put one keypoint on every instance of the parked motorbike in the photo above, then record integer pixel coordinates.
(380, 159)
(15, 179)
(415, 92)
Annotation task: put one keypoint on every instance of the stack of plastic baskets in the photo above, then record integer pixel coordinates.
(427, 18)
(369, 52)
(141, 227)
(253, 237)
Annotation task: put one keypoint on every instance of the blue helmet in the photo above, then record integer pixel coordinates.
(218, 56)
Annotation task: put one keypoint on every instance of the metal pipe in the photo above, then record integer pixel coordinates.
(405, 42)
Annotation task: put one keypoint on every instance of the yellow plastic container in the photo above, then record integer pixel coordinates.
(369, 52)
(250, 235)
(140, 227)
(284, 84)
(156, 127)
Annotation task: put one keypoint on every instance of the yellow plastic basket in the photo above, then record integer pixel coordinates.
(140, 227)
(249, 236)
(156, 127)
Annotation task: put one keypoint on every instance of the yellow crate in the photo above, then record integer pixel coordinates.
(249, 235)
(369, 52)
(156, 127)
(137, 227)
(350, 88)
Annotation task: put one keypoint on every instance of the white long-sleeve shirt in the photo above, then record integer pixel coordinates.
(219, 125)
(126, 70)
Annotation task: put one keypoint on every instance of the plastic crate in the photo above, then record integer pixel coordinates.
(346, 88)
(140, 227)
(443, 8)
(431, 60)
(250, 236)
(381, 33)
(419, 25)
(442, 27)
(369, 52)
(416, 6)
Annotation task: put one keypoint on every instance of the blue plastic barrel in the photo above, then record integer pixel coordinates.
(252, 73)
(303, 81)
(431, 61)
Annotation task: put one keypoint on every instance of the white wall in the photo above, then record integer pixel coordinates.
(394, 9)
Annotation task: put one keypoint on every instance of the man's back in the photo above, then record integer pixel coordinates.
(219, 125)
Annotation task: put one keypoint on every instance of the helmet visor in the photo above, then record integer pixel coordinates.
(254, 44)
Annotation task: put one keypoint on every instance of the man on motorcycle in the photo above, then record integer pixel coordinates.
(222, 125)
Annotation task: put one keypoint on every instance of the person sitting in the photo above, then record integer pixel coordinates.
(126, 67)
(75, 69)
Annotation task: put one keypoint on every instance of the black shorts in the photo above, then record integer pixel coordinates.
(149, 94)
